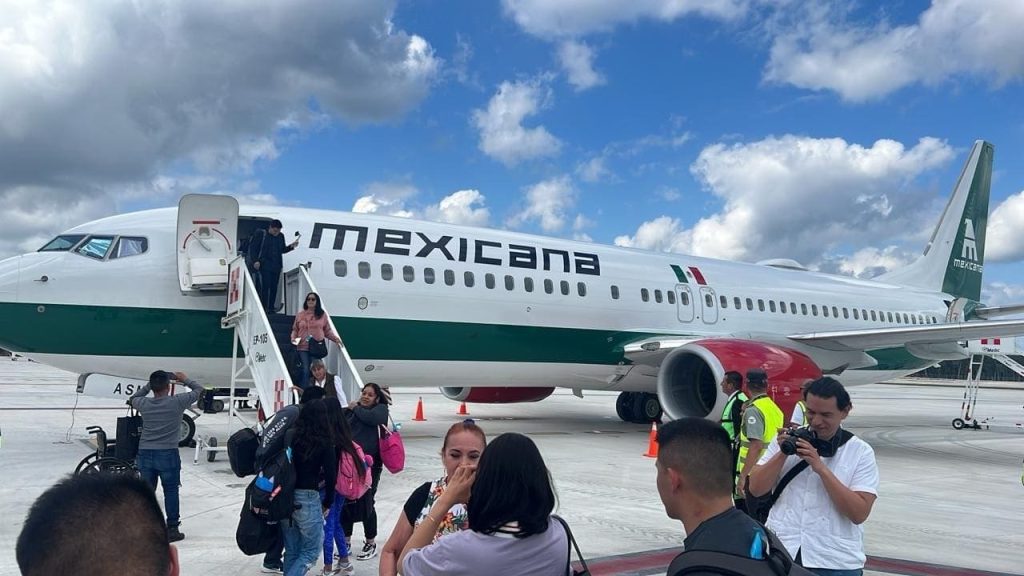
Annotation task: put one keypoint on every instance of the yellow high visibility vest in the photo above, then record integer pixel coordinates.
(773, 420)
(726, 420)
(803, 412)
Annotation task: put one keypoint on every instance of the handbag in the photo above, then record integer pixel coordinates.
(572, 544)
(317, 348)
(392, 451)
(129, 432)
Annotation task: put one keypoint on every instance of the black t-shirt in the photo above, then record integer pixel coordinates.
(732, 532)
(414, 505)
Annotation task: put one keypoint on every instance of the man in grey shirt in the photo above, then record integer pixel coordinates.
(158, 448)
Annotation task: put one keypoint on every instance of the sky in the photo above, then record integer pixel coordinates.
(831, 133)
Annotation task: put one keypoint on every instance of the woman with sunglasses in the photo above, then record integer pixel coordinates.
(463, 445)
(311, 323)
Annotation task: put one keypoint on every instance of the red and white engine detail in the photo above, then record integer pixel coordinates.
(689, 377)
(498, 395)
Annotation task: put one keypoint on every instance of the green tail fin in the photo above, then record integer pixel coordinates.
(954, 260)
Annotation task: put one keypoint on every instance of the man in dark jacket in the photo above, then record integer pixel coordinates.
(266, 250)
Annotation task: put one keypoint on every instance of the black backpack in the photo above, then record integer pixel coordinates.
(242, 447)
(272, 497)
(254, 535)
(778, 562)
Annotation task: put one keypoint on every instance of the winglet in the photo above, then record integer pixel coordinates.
(954, 259)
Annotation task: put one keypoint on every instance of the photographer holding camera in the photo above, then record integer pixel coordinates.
(818, 515)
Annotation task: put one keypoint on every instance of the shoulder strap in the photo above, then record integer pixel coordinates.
(572, 544)
(704, 561)
(844, 437)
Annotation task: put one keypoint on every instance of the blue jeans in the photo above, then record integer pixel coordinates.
(164, 464)
(305, 360)
(333, 534)
(304, 534)
(832, 572)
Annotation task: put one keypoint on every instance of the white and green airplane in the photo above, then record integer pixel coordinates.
(498, 316)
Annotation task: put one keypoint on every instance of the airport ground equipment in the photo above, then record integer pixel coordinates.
(102, 459)
(968, 419)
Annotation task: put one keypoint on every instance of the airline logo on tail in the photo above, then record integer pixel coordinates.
(969, 254)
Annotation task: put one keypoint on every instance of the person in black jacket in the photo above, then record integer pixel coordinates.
(266, 249)
(366, 416)
(314, 459)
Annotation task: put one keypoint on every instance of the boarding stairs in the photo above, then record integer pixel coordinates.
(263, 357)
(967, 418)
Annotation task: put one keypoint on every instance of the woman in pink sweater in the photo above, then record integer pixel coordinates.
(310, 323)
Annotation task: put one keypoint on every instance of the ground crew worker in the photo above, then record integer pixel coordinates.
(799, 417)
(762, 419)
(732, 385)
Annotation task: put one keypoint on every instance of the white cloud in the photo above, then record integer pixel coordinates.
(870, 262)
(577, 59)
(502, 134)
(1002, 294)
(551, 19)
(822, 51)
(801, 198)
(594, 170)
(547, 203)
(386, 198)
(1004, 240)
(462, 207)
(111, 94)
(669, 194)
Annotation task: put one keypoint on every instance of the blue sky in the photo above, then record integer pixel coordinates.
(827, 132)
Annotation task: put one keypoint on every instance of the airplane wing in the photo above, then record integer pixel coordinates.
(987, 312)
(927, 334)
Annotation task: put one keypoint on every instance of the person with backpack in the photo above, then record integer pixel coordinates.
(366, 416)
(314, 459)
(351, 463)
(819, 514)
(463, 445)
(695, 483)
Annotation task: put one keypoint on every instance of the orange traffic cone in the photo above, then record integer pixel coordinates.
(419, 411)
(463, 411)
(652, 442)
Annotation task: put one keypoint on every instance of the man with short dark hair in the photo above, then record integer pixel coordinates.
(267, 250)
(819, 515)
(96, 525)
(158, 447)
(732, 418)
(695, 482)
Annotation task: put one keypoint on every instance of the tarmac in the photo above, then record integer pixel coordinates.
(950, 502)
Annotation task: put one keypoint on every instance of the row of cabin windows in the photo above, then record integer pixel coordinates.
(790, 307)
(387, 272)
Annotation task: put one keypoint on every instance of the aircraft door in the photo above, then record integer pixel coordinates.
(207, 232)
(707, 303)
(684, 303)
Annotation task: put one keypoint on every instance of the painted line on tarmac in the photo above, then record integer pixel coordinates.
(656, 561)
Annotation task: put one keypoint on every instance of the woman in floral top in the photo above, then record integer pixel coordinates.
(463, 444)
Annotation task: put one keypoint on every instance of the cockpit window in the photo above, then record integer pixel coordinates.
(129, 246)
(96, 247)
(62, 243)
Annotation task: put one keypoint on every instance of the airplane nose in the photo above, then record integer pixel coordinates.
(9, 272)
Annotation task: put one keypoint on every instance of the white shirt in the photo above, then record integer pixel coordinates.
(806, 520)
(798, 415)
(337, 387)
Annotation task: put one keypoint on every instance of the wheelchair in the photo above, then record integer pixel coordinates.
(103, 460)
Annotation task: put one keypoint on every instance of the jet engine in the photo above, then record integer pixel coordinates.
(689, 377)
(496, 395)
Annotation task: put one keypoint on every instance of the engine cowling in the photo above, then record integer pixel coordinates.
(689, 377)
(499, 395)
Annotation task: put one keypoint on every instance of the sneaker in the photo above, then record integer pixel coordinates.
(325, 571)
(173, 534)
(273, 569)
(369, 551)
(346, 569)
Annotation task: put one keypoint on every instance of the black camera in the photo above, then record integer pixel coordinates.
(788, 445)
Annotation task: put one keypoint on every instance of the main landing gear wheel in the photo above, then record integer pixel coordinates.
(186, 432)
(638, 407)
(210, 455)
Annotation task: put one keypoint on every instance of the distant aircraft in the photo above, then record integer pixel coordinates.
(497, 316)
